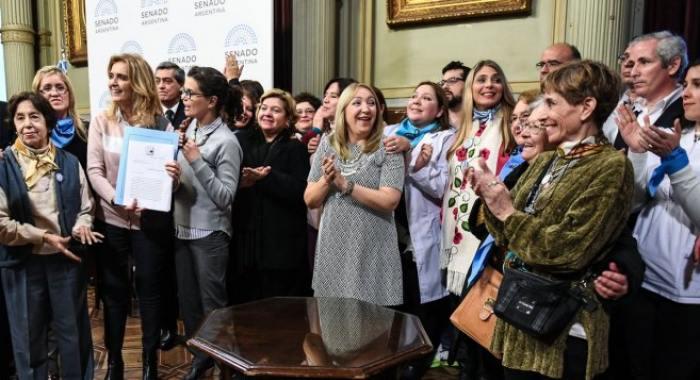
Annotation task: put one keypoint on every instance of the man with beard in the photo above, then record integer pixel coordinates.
(453, 77)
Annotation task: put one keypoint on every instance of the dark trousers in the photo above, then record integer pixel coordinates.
(201, 266)
(434, 315)
(653, 337)
(148, 251)
(5, 345)
(168, 292)
(48, 289)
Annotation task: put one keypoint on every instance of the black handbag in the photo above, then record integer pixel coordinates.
(537, 305)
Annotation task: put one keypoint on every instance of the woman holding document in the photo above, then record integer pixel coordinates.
(210, 160)
(134, 104)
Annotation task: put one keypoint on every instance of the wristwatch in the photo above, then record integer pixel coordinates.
(349, 186)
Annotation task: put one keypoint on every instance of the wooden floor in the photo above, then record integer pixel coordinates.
(173, 364)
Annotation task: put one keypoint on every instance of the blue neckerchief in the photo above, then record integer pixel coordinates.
(484, 116)
(515, 160)
(413, 133)
(479, 262)
(482, 254)
(64, 131)
(670, 164)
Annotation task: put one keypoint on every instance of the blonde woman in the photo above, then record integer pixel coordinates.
(485, 132)
(145, 235)
(70, 133)
(359, 186)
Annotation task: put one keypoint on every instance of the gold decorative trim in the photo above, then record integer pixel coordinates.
(44, 38)
(18, 34)
(415, 12)
(76, 38)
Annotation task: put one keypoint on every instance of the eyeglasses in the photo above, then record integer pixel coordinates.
(533, 128)
(450, 81)
(188, 94)
(59, 88)
(522, 118)
(551, 64)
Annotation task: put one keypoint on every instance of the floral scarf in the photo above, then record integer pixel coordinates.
(43, 159)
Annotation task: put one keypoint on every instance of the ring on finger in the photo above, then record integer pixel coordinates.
(493, 183)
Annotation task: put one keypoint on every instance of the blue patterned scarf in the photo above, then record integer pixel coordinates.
(484, 116)
(413, 133)
(64, 131)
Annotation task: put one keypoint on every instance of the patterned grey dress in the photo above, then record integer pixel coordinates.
(357, 254)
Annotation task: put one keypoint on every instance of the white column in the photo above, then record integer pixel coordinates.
(314, 41)
(18, 42)
(598, 28)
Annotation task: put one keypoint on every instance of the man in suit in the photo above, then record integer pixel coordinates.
(657, 62)
(169, 81)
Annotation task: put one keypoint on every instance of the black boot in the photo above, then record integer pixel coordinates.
(150, 365)
(115, 368)
(169, 339)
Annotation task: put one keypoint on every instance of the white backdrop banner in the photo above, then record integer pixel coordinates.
(186, 32)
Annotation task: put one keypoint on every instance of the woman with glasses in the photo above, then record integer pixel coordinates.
(70, 133)
(209, 162)
(144, 235)
(269, 212)
(306, 107)
(484, 133)
(561, 219)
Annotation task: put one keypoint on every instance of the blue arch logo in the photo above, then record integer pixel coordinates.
(241, 35)
(105, 8)
(181, 43)
(153, 3)
(132, 47)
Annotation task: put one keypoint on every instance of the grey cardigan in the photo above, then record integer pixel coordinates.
(208, 184)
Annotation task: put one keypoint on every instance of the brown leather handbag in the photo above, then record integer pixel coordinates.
(474, 315)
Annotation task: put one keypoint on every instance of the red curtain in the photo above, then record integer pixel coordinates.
(679, 16)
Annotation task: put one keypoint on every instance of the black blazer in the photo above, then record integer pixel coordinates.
(269, 218)
(179, 115)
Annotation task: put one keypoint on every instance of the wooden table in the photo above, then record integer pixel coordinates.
(311, 337)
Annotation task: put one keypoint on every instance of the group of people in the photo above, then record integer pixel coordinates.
(591, 177)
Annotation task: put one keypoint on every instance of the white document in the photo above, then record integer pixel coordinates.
(145, 178)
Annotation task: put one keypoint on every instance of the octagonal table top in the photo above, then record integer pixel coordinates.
(311, 337)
